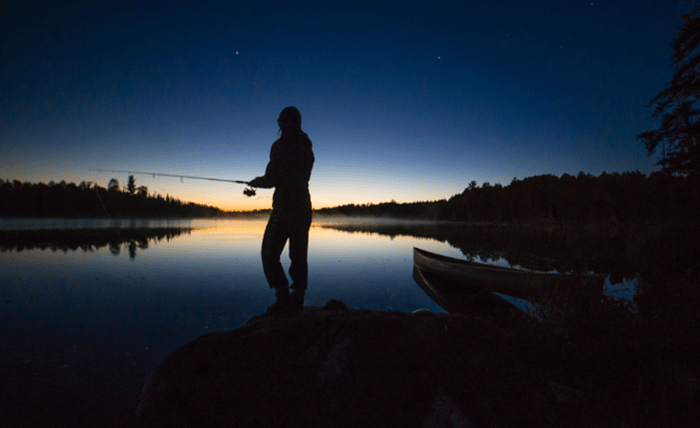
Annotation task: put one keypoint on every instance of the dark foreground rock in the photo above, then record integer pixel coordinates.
(342, 368)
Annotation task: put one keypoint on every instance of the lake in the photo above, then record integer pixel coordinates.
(86, 316)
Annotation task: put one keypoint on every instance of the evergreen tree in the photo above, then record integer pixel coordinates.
(677, 106)
(131, 185)
(113, 185)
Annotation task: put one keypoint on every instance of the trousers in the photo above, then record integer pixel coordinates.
(282, 227)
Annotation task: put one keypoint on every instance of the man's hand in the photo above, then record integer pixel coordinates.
(256, 182)
(263, 182)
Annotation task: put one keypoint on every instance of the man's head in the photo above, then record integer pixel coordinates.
(290, 118)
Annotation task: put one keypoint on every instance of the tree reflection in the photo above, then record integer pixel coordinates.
(561, 248)
(115, 248)
(86, 240)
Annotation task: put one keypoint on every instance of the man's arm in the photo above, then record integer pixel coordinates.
(268, 180)
(263, 182)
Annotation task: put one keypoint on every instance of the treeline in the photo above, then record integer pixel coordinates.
(66, 200)
(626, 197)
(410, 210)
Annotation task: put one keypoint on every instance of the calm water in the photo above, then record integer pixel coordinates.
(80, 330)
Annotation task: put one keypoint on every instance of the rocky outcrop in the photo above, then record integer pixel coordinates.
(334, 367)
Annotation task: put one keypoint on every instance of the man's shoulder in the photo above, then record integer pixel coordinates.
(292, 141)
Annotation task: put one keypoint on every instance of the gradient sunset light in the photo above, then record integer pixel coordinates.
(406, 101)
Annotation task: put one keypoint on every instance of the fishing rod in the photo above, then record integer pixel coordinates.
(247, 191)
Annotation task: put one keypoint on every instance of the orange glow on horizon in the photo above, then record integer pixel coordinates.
(264, 201)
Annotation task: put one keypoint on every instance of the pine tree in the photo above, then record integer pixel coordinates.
(131, 184)
(677, 106)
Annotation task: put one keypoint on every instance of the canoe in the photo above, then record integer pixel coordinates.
(463, 300)
(472, 278)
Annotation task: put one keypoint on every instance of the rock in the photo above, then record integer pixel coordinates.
(338, 367)
(569, 399)
(687, 385)
(444, 413)
(336, 305)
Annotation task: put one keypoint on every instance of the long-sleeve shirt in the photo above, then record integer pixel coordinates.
(289, 170)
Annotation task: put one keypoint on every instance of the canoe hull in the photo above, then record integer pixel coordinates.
(523, 284)
(462, 300)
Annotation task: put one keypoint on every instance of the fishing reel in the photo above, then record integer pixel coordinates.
(249, 191)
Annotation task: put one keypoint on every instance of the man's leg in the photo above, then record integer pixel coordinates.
(298, 251)
(274, 239)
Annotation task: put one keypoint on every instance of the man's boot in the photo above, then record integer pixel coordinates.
(296, 301)
(282, 304)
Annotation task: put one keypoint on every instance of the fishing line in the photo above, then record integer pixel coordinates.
(249, 191)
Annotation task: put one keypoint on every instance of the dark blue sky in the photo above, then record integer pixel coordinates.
(403, 100)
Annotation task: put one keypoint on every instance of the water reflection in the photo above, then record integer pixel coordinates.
(76, 315)
(535, 248)
(87, 239)
(90, 223)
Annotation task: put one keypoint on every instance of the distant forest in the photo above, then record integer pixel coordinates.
(64, 200)
(627, 197)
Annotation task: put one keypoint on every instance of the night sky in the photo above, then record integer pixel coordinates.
(403, 100)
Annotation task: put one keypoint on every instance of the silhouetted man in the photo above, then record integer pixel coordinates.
(289, 169)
